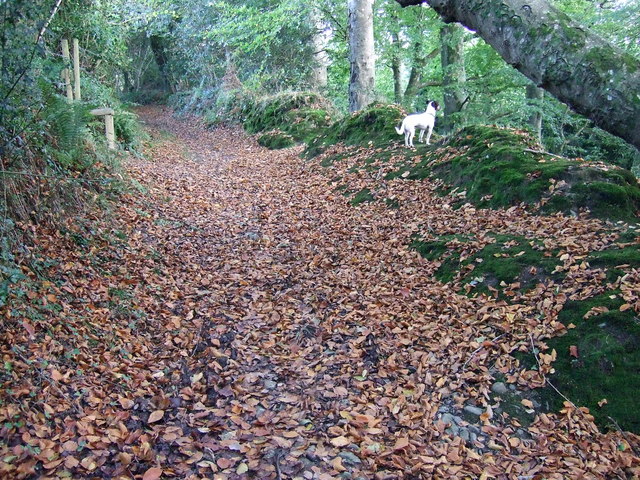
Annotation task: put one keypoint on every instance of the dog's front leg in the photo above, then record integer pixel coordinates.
(429, 135)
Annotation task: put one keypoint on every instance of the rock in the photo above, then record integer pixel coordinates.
(350, 457)
(269, 385)
(465, 434)
(473, 410)
(447, 419)
(499, 388)
(454, 430)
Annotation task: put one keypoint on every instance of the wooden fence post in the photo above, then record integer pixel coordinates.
(76, 68)
(65, 73)
(109, 129)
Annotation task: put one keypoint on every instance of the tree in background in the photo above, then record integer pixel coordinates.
(361, 54)
(454, 75)
(576, 66)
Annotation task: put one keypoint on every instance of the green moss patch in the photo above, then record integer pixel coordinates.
(603, 373)
(300, 115)
(507, 264)
(276, 139)
(498, 167)
(373, 126)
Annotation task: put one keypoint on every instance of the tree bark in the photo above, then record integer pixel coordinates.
(575, 65)
(454, 75)
(361, 54)
(534, 101)
(416, 75)
(319, 77)
(396, 68)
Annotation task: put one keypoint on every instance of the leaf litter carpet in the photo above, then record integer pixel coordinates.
(237, 318)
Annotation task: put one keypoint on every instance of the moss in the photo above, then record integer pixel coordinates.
(510, 259)
(301, 115)
(371, 126)
(609, 200)
(607, 365)
(362, 196)
(276, 139)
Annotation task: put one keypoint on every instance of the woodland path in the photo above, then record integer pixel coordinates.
(237, 318)
(323, 347)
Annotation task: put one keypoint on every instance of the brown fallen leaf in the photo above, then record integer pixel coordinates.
(340, 441)
(154, 473)
(155, 416)
(573, 351)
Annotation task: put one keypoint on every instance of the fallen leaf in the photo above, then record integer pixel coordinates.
(155, 416)
(153, 473)
(340, 441)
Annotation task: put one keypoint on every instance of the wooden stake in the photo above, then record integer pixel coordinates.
(65, 73)
(110, 131)
(76, 69)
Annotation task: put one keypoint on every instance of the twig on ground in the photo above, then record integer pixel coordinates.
(544, 377)
(478, 349)
(530, 150)
(626, 437)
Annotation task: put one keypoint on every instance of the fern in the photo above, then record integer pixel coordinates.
(68, 125)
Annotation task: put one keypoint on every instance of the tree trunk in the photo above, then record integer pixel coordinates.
(454, 75)
(534, 101)
(159, 52)
(361, 54)
(415, 77)
(575, 65)
(396, 68)
(319, 77)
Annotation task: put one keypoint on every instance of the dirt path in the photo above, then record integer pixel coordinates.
(273, 331)
(325, 347)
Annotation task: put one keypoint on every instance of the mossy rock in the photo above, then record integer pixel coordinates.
(373, 126)
(276, 139)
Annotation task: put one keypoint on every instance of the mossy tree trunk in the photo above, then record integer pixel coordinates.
(575, 65)
(454, 75)
(534, 101)
(361, 54)
(396, 68)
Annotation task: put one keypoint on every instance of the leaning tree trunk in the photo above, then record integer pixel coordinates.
(416, 75)
(454, 75)
(575, 65)
(534, 102)
(361, 54)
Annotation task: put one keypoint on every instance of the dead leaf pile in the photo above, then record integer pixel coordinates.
(239, 319)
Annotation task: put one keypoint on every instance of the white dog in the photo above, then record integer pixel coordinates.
(421, 121)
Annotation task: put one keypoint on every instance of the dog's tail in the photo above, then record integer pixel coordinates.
(400, 129)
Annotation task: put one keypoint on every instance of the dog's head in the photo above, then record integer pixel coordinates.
(435, 104)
